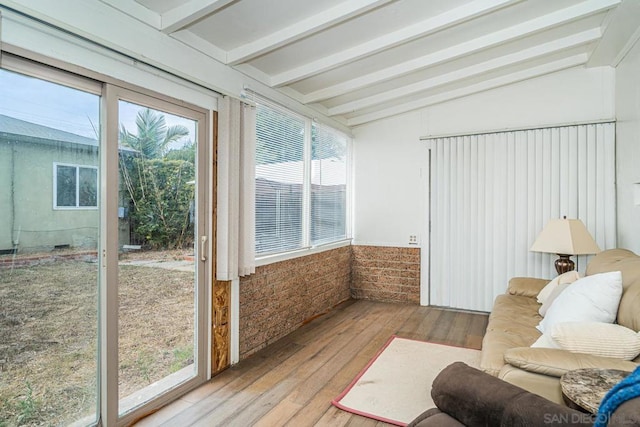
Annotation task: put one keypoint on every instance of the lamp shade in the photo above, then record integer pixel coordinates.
(565, 236)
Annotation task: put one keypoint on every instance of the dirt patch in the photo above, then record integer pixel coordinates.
(48, 336)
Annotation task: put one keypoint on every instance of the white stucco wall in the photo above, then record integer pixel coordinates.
(390, 173)
(628, 149)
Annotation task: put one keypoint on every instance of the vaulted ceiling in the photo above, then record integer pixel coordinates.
(362, 60)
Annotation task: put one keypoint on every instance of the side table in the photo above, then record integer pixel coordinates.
(584, 389)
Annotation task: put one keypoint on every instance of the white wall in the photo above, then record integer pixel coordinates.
(390, 170)
(391, 166)
(628, 148)
(565, 97)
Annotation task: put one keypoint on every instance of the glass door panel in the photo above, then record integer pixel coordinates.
(49, 234)
(157, 281)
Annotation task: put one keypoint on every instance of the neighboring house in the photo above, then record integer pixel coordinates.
(49, 192)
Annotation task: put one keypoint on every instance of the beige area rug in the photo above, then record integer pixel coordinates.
(395, 386)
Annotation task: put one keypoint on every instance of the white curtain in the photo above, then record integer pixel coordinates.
(491, 194)
(236, 189)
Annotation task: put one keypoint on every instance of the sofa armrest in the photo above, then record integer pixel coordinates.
(477, 398)
(434, 417)
(526, 286)
(555, 362)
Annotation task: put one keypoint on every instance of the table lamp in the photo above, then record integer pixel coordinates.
(565, 237)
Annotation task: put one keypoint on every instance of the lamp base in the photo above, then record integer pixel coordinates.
(564, 264)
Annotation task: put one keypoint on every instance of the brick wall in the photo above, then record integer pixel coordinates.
(280, 297)
(386, 274)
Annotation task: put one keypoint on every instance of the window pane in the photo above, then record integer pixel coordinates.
(48, 256)
(88, 187)
(66, 186)
(328, 185)
(279, 180)
(157, 270)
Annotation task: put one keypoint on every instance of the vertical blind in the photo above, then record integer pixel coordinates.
(328, 185)
(235, 255)
(491, 194)
(280, 174)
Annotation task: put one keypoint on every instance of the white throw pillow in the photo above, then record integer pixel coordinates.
(600, 339)
(568, 277)
(551, 298)
(593, 298)
(545, 341)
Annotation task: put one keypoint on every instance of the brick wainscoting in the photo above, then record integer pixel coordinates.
(386, 274)
(280, 297)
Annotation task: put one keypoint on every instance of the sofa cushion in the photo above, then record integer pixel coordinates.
(600, 339)
(568, 277)
(592, 298)
(526, 286)
(543, 385)
(555, 362)
(512, 323)
(628, 263)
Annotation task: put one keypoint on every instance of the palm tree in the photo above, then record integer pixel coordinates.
(153, 136)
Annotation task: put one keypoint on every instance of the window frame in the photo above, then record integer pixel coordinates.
(307, 247)
(77, 168)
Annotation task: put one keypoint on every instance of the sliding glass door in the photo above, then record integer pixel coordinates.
(49, 236)
(104, 249)
(158, 222)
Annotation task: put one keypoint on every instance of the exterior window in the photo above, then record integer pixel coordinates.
(280, 139)
(75, 186)
(301, 182)
(328, 185)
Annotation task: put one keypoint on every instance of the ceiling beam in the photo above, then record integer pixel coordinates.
(519, 76)
(255, 73)
(304, 28)
(620, 34)
(538, 51)
(201, 45)
(563, 16)
(137, 11)
(626, 48)
(189, 12)
(428, 26)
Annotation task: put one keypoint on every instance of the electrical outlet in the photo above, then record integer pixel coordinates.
(413, 239)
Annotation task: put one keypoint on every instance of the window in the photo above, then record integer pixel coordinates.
(45, 128)
(328, 185)
(301, 182)
(75, 186)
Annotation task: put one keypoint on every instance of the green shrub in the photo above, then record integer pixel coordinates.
(161, 194)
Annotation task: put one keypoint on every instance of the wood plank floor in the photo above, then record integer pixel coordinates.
(292, 381)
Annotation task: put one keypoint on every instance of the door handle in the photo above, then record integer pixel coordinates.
(203, 248)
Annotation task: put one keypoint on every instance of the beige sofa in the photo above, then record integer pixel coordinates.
(511, 330)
